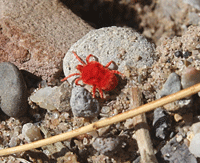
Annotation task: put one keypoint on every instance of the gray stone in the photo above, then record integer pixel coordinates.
(82, 103)
(122, 45)
(174, 152)
(53, 98)
(106, 145)
(172, 85)
(195, 145)
(13, 91)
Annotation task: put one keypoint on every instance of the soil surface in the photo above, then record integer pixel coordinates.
(173, 26)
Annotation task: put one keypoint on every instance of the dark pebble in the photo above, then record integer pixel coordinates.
(178, 53)
(13, 91)
(187, 54)
(161, 124)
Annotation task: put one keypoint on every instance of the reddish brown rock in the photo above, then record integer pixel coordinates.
(35, 35)
(190, 77)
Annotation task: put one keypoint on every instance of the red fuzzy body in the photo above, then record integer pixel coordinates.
(95, 74)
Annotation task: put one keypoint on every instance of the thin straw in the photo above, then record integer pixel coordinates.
(105, 122)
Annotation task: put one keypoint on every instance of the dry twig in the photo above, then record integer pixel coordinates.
(105, 122)
(141, 130)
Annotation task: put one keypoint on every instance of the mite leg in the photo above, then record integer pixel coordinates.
(93, 91)
(76, 81)
(117, 72)
(114, 71)
(69, 76)
(101, 93)
(88, 57)
(79, 59)
(108, 64)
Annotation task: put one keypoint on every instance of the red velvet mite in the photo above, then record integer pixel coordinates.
(95, 74)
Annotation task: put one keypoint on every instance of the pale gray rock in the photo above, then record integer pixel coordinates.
(172, 85)
(122, 45)
(196, 127)
(195, 145)
(31, 132)
(82, 103)
(53, 98)
(13, 91)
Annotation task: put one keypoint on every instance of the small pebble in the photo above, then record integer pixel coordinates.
(190, 135)
(186, 142)
(179, 138)
(190, 77)
(177, 117)
(181, 131)
(161, 123)
(82, 103)
(13, 91)
(195, 145)
(129, 123)
(106, 145)
(172, 85)
(103, 130)
(14, 140)
(187, 54)
(31, 132)
(178, 53)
